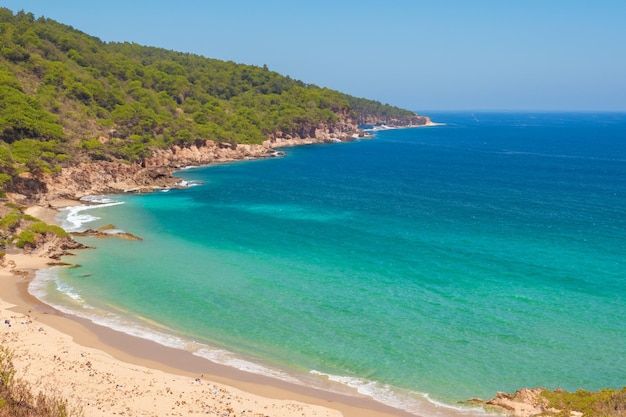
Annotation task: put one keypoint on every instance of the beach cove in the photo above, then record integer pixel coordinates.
(103, 372)
(100, 371)
(331, 221)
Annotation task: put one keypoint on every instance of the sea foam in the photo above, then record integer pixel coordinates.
(48, 288)
(74, 217)
(413, 402)
(45, 278)
(227, 358)
(47, 281)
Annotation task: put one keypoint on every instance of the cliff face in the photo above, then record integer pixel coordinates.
(203, 153)
(416, 120)
(323, 132)
(101, 178)
(156, 171)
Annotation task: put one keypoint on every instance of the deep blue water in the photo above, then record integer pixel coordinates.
(484, 255)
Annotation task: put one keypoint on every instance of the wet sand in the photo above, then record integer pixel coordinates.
(105, 372)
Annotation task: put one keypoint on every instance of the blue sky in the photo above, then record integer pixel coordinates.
(417, 54)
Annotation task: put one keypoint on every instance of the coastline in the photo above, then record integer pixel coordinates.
(505, 406)
(383, 127)
(119, 351)
(94, 367)
(101, 371)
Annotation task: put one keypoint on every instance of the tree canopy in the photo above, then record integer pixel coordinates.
(68, 96)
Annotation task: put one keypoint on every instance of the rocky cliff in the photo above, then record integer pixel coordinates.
(102, 177)
(416, 120)
(154, 172)
(343, 129)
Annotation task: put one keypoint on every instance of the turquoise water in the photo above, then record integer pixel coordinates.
(484, 255)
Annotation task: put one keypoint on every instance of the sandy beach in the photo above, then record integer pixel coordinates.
(103, 372)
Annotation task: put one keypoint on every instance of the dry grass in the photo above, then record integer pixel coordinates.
(18, 400)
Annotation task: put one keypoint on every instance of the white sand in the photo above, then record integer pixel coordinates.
(61, 356)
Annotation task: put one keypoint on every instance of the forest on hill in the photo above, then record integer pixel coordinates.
(69, 97)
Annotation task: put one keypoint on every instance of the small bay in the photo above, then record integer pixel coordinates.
(486, 254)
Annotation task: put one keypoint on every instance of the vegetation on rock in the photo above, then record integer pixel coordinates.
(69, 97)
(24, 231)
(603, 403)
(558, 403)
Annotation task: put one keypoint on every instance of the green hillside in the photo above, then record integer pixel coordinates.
(68, 97)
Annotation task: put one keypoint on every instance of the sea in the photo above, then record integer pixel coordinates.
(422, 267)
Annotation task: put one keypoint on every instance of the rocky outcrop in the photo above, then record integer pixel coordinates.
(416, 120)
(26, 184)
(21, 231)
(103, 177)
(107, 232)
(523, 403)
(319, 133)
(52, 246)
(203, 153)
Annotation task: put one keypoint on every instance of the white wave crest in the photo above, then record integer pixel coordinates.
(74, 217)
(417, 403)
(188, 183)
(227, 358)
(40, 287)
(412, 402)
(70, 292)
(97, 199)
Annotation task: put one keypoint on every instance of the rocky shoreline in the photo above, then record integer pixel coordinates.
(155, 172)
(35, 194)
(523, 403)
(51, 192)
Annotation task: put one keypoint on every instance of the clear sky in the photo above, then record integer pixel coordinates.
(417, 54)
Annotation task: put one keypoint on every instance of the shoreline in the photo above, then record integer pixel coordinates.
(36, 327)
(123, 350)
(127, 349)
(19, 283)
(386, 127)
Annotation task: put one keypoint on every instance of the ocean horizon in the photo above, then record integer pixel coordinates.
(424, 266)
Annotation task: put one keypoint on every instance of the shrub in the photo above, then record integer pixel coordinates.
(10, 221)
(18, 400)
(43, 228)
(7, 371)
(606, 402)
(27, 237)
